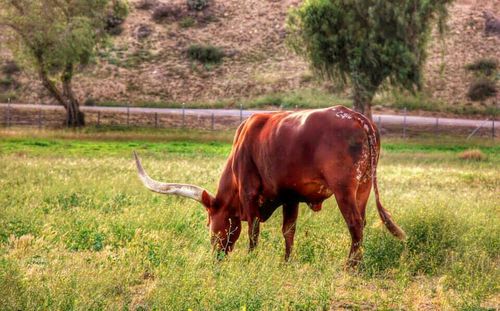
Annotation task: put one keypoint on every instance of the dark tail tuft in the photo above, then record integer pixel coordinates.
(389, 223)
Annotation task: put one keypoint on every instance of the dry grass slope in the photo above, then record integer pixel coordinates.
(156, 68)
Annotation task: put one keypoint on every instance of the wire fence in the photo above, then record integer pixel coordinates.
(402, 125)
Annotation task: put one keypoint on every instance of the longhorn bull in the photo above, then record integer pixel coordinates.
(283, 158)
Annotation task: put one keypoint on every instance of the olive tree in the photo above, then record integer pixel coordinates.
(55, 38)
(366, 42)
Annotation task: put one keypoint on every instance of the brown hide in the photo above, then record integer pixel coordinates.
(283, 158)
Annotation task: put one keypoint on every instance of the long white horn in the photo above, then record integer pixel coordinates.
(184, 190)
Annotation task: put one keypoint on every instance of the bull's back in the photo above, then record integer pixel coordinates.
(293, 151)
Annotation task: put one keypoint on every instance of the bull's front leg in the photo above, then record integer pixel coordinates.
(290, 212)
(251, 204)
(251, 200)
(253, 231)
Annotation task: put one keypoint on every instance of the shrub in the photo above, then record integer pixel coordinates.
(431, 237)
(143, 31)
(167, 12)
(90, 102)
(485, 66)
(6, 83)
(481, 89)
(472, 154)
(115, 31)
(206, 54)
(113, 25)
(197, 5)
(146, 4)
(120, 9)
(187, 22)
(491, 24)
(10, 67)
(382, 252)
(116, 17)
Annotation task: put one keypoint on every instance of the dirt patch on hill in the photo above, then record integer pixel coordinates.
(465, 42)
(156, 68)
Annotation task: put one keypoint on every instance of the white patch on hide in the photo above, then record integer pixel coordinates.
(344, 115)
(361, 165)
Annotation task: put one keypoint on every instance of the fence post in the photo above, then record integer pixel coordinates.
(98, 118)
(183, 114)
(213, 121)
(5, 117)
(437, 127)
(404, 124)
(40, 118)
(128, 113)
(241, 112)
(8, 112)
(493, 128)
(156, 119)
(379, 122)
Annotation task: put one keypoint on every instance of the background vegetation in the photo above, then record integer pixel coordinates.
(366, 43)
(147, 63)
(55, 39)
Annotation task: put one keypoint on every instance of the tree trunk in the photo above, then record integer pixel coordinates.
(363, 101)
(74, 117)
(51, 87)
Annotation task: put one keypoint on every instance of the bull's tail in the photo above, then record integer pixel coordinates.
(385, 216)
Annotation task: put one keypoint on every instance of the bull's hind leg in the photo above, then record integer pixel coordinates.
(346, 200)
(290, 212)
(362, 195)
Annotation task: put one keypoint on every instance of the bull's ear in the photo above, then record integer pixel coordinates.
(207, 200)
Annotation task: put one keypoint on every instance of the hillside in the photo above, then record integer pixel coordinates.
(157, 70)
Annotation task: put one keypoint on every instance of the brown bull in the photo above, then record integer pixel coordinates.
(283, 158)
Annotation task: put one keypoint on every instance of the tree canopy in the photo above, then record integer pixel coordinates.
(366, 42)
(54, 37)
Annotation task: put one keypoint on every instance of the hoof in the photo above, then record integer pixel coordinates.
(354, 261)
(352, 266)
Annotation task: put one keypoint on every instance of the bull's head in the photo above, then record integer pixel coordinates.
(224, 227)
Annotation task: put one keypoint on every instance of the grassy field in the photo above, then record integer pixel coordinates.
(79, 231)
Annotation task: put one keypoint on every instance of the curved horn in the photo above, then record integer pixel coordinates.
(184, 190)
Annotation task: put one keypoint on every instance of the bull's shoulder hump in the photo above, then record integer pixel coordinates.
(305, 118)
(327, 119)
(257, 122)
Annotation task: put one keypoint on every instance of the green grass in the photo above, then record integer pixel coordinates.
(423, 103)
(78, 231)
(7, 96)
(187, 22)
(301, 98)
